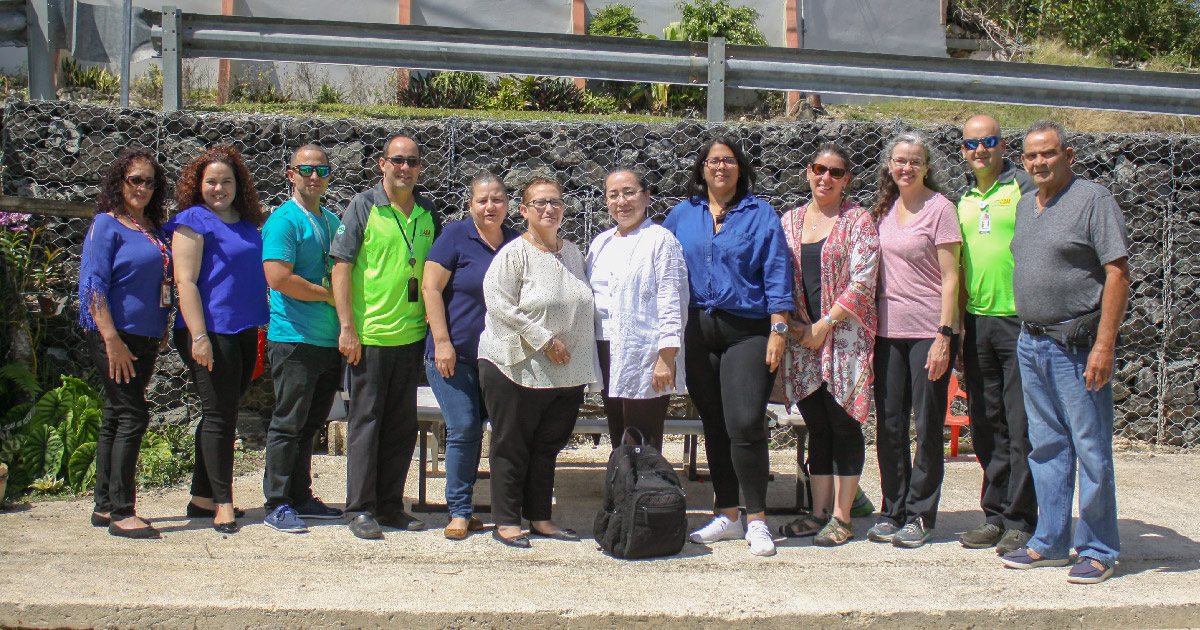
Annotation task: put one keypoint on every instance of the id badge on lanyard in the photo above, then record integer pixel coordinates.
(985, 218)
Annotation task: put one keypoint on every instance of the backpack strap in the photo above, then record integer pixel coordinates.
(641, 439)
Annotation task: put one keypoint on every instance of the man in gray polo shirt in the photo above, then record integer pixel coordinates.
(1071, 284)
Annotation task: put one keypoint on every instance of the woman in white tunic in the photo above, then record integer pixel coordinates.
(639, 284)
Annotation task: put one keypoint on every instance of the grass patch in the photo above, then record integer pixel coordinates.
(1015, 116)
(397, 112)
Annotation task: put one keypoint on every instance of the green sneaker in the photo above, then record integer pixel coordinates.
(862, 505)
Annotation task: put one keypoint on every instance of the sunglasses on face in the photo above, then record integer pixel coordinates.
(401, 160)
(141, 182)
(971, 144)
(821, 169)
(306, 170)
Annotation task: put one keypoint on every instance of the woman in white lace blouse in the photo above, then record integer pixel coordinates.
(536, 354)
(639, 283)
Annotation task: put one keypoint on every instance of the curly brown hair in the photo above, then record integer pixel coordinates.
(112, 182)
(245, 198)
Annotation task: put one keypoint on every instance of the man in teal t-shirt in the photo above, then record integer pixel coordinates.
(302, 341)
(380, 256)
(999, 431)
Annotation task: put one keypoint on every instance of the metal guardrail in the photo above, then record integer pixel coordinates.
(712, 63)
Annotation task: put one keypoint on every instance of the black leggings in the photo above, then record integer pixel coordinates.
(730, 382)
(647, 415)
(125, 419)
(220, 391)
(835, 440)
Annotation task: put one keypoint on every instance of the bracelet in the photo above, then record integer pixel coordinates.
(198, 337)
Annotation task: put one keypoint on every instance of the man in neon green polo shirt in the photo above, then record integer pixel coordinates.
(379, 255)
(999, 431)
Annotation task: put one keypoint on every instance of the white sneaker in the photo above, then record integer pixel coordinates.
(759, 536)
(720, 528)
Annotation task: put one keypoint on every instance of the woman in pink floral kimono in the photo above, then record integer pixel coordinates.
(827, 364)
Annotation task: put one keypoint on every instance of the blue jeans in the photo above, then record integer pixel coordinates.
(1068, 423)
(459, 398)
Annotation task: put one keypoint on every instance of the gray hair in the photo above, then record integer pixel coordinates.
(1050, 125)
(888, 190)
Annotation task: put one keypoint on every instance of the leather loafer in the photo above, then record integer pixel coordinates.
(227, 528)
(563, 534)
(365, 526)
(401, 520)
(195, 511)
(474, 524)
(100, 521)
(138, 532)
(520, 541)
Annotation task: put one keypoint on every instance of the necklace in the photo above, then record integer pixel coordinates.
(557, 253)
(824, 216)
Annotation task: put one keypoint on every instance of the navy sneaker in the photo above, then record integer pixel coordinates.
(284, 519)
(1022, 559)
(1089, 571)
(314, 508)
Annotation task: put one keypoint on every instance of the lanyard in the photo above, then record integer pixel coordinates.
(162, 247)
(328, 232)
(412, 254)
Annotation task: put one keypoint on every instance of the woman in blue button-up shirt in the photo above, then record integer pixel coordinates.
(739, 275)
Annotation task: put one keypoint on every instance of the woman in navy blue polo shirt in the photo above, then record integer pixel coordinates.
(453, 292)
(739, 274)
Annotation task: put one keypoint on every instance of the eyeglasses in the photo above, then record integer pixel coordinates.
(141, 182)
(821, 169)
(901, 162)
(715, 162)
(401, 160)
(306, 170)
(624, 195)
(540, 204)
(971, 144)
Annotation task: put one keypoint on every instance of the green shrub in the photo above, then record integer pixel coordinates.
(96, 78)
(450, 90)
(703, 19)
(51, 444)
(615, 20)
(506, 95)
(551, 94)
(167, 454)
(329, 95)
(599, 103)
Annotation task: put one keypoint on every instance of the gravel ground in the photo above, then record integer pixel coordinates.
(58, 572)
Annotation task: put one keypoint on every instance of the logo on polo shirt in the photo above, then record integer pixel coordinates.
(1004, 202)
(426, 232)
(341, 229)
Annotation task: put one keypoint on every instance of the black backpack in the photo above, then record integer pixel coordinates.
(644, 513)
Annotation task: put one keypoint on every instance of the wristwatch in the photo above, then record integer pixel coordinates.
(831, 321)
(946, 330)
(779, 327)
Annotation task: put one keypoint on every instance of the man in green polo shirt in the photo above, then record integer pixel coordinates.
(379, 254)
(999, 431)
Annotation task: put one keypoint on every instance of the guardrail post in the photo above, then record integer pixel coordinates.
(41, 55)
(172, 58)
(716, 79)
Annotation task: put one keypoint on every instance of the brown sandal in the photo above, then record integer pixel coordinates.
(458, 533)
(834, 533)
(806, 525)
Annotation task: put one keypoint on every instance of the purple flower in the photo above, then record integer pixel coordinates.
(15, 219)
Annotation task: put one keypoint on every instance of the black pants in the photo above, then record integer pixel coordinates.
(730, 383)
(835, 439)
(220, 391)
(647, 415)
(306, 379)
(124, 421)
(999, 428)
(529, 428)
(911, 486)
(382, 427)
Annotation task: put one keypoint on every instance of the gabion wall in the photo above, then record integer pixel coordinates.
(57, 150)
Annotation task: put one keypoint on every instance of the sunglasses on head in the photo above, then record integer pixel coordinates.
(141, 182)
(401, 160)
(821, 169)
(973, 143)
(306, 170)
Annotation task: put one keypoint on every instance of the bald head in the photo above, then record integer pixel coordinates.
(985, 161)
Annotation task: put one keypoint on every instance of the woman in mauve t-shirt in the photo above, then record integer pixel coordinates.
(917, 339)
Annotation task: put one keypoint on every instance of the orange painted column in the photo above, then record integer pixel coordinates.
(223, 66)
(791, 32)
(579, 27)
(403, 16)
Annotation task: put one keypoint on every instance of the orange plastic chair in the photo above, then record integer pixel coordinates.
(956, 422)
